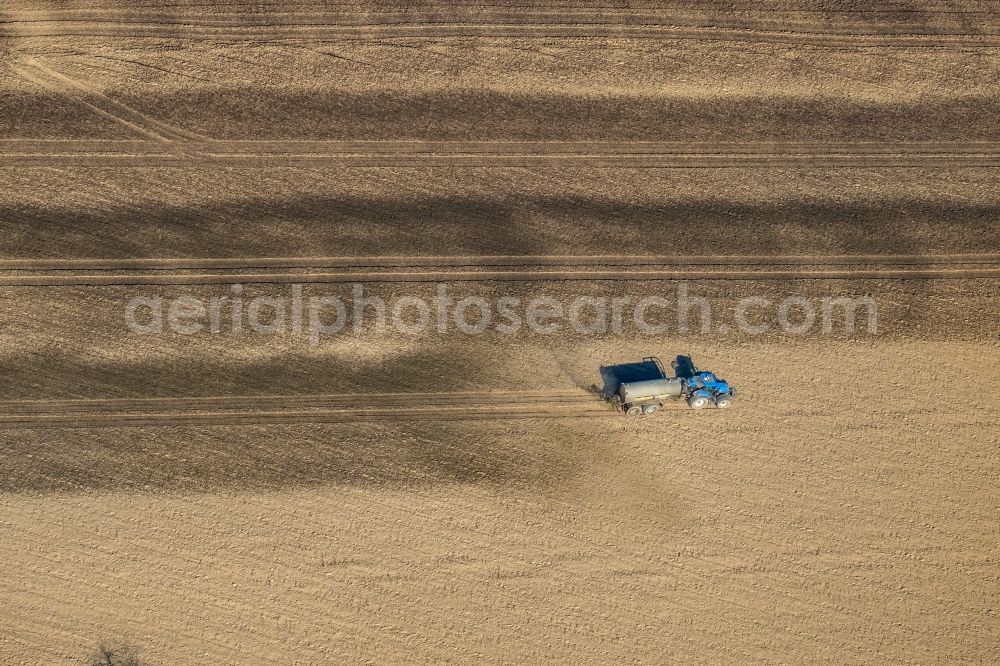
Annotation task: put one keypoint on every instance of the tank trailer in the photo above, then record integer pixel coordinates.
(646, 396)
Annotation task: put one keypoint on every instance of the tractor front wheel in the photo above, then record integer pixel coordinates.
(698, 401)
(723, 401)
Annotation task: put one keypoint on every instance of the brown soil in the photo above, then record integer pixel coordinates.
(382, 497)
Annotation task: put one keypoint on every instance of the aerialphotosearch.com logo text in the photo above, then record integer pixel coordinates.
(319, 316)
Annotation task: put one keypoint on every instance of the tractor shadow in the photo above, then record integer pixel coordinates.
(684, 367)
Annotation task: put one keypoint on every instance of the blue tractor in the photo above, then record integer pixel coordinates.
(644, 388)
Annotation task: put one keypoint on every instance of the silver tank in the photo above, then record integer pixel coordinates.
(652, 388)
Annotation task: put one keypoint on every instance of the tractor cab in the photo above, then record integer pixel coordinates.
(709, 382)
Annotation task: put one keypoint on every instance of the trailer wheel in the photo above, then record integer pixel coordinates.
(650, 409)
(698, 401)
(633, 410)
(723, 401)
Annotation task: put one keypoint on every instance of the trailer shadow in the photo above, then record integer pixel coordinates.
(614, 376)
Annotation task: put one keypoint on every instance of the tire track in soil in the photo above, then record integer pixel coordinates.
(441, 414)
(185, 263)
(566, 24)
(485, 276)
(39, 73)
(319, 154)
(341, 408)
(299, 401)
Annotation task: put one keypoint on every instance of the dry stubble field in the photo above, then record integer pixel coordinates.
(844, 511)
